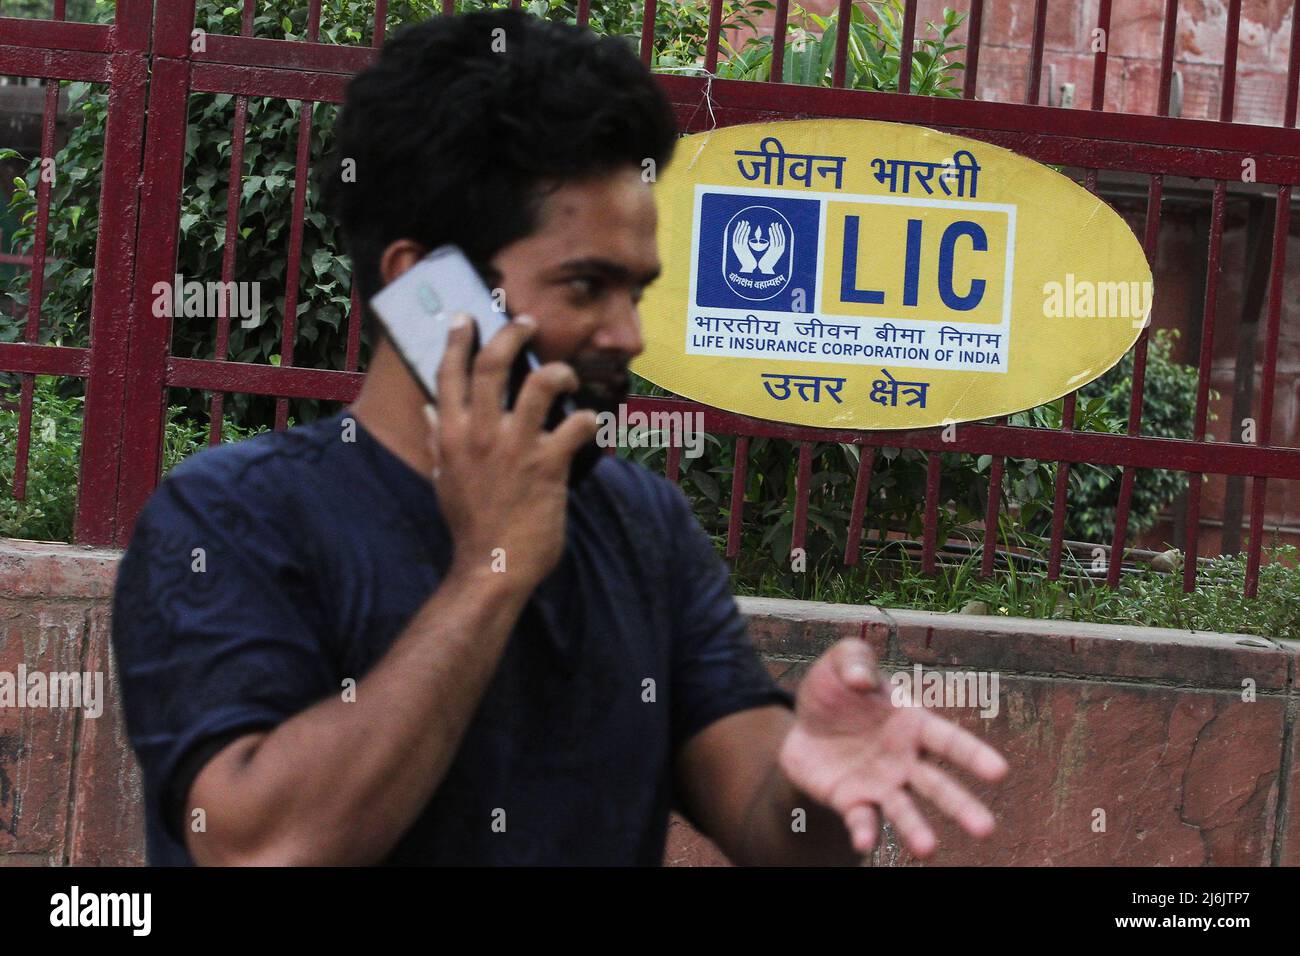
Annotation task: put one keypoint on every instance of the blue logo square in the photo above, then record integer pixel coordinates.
(755, 250)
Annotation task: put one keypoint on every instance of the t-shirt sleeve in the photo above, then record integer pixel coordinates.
(213, 632)
(716, 670)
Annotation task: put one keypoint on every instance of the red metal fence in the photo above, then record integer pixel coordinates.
(129, 366)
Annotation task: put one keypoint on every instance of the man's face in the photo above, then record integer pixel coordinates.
(581, 273)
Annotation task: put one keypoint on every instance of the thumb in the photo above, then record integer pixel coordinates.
(856, 665)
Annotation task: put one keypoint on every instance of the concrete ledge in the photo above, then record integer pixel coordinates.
(1092, 651)
(53, 571)
(1128, 745)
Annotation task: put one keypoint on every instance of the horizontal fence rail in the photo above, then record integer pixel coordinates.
(130, 367)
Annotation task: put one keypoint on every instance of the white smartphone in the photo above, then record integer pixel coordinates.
(416, 310)
(417, 307)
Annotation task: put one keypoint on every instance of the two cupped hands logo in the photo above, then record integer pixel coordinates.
(760, 241)
(747, 240)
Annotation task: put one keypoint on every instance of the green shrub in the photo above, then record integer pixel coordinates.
(48, 510)
(1168, 410)
(873, 51)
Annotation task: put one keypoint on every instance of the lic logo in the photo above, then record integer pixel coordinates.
(758, 254)
(755, 251)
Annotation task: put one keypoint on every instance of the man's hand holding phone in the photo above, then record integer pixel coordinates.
(501, 477)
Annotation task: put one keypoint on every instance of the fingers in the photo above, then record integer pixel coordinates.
(540, 390)
(912, 829)
(928, 781)
(953, 799)
(946, 740)
(492, 370)
(576, 431)
(856, 665)
(453, 373)
(863, 826)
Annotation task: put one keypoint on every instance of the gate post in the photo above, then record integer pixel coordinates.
(106, 402)
(144, 409)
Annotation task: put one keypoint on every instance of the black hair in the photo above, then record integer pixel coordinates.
(464, 122)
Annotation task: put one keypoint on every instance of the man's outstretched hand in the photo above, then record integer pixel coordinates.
(853, 750)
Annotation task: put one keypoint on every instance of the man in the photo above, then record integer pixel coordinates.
(386, 638)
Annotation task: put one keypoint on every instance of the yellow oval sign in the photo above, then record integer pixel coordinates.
(850, 273)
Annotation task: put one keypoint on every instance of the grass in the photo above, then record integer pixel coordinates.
(1146, 597)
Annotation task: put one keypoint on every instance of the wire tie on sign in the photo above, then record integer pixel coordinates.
(708, 99)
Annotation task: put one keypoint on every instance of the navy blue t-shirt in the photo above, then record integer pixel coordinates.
(262, 575)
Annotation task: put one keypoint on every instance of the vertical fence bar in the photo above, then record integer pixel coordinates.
(974, 26)
(1062, 487)
(1230, 62)
(1154, 194)
(1268, 382)
(1056, 544)
(1036, 52)
(106, 454)
(1201, 416)
(584, 12)
(301, 184)
(802, 491)
(714, 37)
(673, 463)
(930, 529)
(49, 171)
(648, 32)
(354, 330)
(989, 551)
(861, 491)
(737, 495)
(779, 27)
(140, 451)
(906, 45)
(355, 315)
(1293, 67)
(1099, 58)
(234, 195)
(1167, 55)
(839, 69)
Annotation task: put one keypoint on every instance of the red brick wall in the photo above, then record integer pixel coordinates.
(1133, 47)
(1147, 725)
